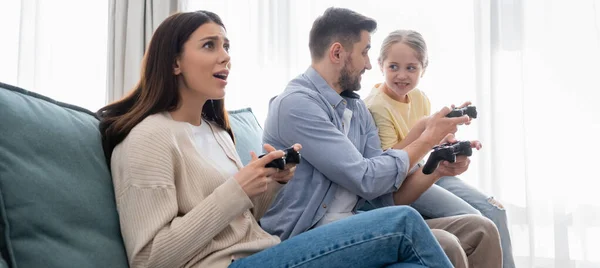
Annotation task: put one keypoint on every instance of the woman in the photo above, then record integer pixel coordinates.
(400, 111)
(184, 199)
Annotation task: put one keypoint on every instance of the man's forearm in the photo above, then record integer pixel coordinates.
(413, 186)
(416, 145)
(417, 149)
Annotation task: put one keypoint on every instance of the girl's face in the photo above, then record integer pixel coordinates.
(402, 69)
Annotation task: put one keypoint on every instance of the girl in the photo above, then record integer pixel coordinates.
(400, 110)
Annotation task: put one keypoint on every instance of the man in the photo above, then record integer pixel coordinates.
(343, 165)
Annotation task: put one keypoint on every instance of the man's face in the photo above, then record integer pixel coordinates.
(356, 63)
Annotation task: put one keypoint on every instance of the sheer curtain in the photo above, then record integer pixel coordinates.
(538, 65)
(531, 67)
(131, 25)
(56, 48)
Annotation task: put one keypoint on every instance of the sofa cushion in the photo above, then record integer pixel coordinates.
(247, 133)
(56, 196)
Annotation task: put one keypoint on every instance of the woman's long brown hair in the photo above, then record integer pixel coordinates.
(157, 89)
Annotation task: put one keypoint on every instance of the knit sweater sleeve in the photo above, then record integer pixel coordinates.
(154, 232)
(263, 201)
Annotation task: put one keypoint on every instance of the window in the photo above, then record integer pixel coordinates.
(56, 48)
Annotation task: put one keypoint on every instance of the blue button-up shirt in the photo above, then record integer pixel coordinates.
(310, 112)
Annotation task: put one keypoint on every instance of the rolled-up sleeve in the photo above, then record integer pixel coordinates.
(303, 119)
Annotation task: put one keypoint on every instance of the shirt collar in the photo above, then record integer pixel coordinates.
(329, 93)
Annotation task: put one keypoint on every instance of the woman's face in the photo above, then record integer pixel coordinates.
(402, 69)
(203, 66)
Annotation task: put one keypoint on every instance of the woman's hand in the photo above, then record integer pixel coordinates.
(283, 176)
(255, 177)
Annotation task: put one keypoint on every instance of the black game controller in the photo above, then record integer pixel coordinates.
(290, 156)
(471, 111)
(447, 152)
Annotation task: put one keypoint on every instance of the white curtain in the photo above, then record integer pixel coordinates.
(55, 48)
(132, 23)
(531, 67)
(538, 64)
(86, 53)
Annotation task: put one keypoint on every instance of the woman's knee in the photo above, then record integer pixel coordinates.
(397, 210)
(397, 214)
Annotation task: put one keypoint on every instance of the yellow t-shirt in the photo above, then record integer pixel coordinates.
(394, 119)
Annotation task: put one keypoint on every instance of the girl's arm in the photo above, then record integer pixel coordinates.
(413, 134)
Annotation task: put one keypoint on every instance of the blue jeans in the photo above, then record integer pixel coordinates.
(387, 237)
(451, 196)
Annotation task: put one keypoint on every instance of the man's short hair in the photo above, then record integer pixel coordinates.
(338, 25)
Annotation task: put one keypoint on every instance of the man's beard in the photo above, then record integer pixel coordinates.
(346, 81)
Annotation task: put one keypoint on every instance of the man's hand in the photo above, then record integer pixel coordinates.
(446, 168)
(439, 126)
